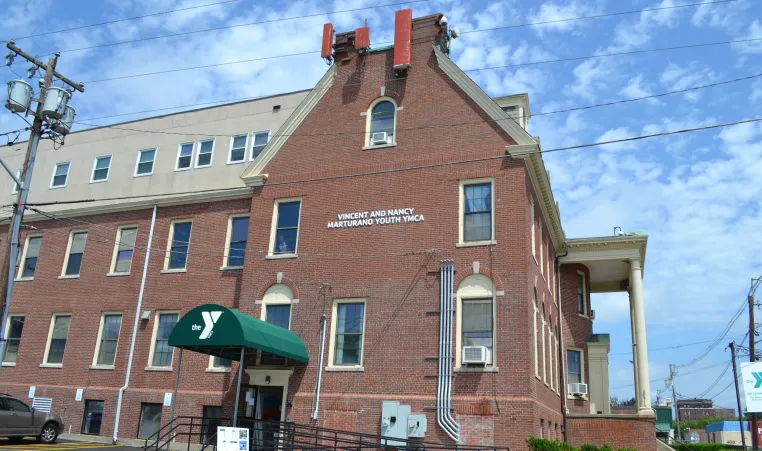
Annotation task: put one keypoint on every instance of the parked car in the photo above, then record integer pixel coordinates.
(18, 420)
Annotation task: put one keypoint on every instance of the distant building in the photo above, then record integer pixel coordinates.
(727, 432)
(694, 409)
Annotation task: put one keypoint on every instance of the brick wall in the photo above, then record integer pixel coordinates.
(577, 327)
(618, 432)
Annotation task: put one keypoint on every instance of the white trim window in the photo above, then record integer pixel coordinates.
(542, 253)
(29, 258)
(161, 353)
(145, 162)
(278, 314)
(259, 141)
(477, 212)
(581, 294)
(551, 357)
(124, 249)
(347, 333)
(108, 339)
(101, 169)
(219, 364)
(205, 153)
(60, 175)
(75, 250)
(478, 324)
(535, 333)
(178, 244)
(184, 157)
(57, 336)
(15, 189)
(235, 242)
(544, 348)
(237, 152)
(381, 118)
(532, 229)
(575, 366)
(284, 233)
(13, 329)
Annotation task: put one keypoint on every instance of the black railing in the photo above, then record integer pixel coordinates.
(189, 430)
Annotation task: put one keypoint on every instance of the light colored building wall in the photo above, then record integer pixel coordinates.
(123, 142)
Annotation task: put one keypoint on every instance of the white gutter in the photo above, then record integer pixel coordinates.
(323, 321)
(134, 328)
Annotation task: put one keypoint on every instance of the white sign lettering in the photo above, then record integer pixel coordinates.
(376, 217)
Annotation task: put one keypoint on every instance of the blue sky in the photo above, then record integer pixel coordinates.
(698, 195)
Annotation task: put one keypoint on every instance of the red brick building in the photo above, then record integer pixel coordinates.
(342, 221)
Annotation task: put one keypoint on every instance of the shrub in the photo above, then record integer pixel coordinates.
(541, 444)
(699, 447)
(627, 449)
(589, 447)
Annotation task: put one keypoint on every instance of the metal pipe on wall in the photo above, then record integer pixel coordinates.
(444, 381)
(450, 360)
(134, 328)
(323, 321)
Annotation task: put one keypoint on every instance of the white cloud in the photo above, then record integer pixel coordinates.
(676, 78)
(635, 89)
(556, 12)
(754, 31)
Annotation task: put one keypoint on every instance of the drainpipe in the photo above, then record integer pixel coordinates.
(323, 321)
(444, 381)
(562, 372)
(134, 329)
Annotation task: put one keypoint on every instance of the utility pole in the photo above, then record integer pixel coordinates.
(732, 347)
(8, 266)
(672, 373)
(752, 358)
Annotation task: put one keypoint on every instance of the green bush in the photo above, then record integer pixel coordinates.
(589, 447)
(541, 444)
(563, 446)
(627, 449)
(699, 447)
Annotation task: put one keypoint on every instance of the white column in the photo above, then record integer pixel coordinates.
(643, 395)
(633, 347)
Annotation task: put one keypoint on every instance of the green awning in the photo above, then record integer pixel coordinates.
(216, 330)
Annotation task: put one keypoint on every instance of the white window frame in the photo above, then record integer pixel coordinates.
(534, 337)
(281, 294)
(462, 211)
(15, 189)
(198, 153)
(153, 165)
(169, 244)
(211, 368)
(532, 230)
(20, 269)
(544, 348)
(475, 294)
(192, 156)
(245, 148)
(229, 237)
(156, 317)
(53, 317)
(551, 358)
(116, 250)
(274, 227)
(542, 254)
(332, 343)
(8, 323)
(53, 177)
(584, 294)
(253, 140)
(68, 254)
(95, 165)
(369, 117)
(99, 339)
(581, 369)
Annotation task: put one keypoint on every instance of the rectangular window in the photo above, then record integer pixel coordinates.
(535, 331)
(15, 189)
(349, 326)
(574, 362)
(111, 323)
(260, 141)
(238, 231)
(209, 423)
(544, 349)
(286, 227)
(60, 175)
(237, 149)
(476, 214)
(162, 352)
(73, 262)
(532, 231)
(101, 169)
(144, 165)
(581, 293)
(477, 323)
(31, 252)
(150, 419)
(13, 338)
(279, 315)
(184, 157)
(179, 240)
(125, 247)
(59, 331)
(542, 253)
(91, 419)
(220, 362)
(205, 151)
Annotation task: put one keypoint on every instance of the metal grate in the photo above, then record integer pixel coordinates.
(42, 404)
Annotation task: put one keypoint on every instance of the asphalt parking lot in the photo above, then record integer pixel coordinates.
(31, 444)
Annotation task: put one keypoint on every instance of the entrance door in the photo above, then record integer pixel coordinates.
(268, 402)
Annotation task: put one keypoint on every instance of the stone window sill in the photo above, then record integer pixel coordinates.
(158, 368)
(51, 365)
(101, 367)
(477, 243)
(218, 370)
(23, 279)
(349, 369)
(71, 276)
(174, 271)
(477, 369)
(7, 364)
(117, 274)
(382, 146)
(231, 268)
(280, 256)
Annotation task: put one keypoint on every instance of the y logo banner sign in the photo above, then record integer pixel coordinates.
(210, 318)
(751, 377)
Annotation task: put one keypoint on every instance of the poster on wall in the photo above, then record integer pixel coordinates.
(751, 377)
(232, 439)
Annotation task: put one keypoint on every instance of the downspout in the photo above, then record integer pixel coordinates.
(561, 361)
(323, 321)
(134, 329)
(444, 380)
(450, 361)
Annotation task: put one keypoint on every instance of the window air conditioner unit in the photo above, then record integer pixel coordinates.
(592, 314)
(475, 355)
(578, 389)
(380, 138)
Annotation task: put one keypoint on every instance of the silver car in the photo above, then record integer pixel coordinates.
(18, 420)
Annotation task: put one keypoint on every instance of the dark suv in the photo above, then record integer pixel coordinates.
(18, 420)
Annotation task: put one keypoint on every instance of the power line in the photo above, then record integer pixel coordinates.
(668, 347)
(531, 63)
(425, 166)
(722, 335)
(716, 381)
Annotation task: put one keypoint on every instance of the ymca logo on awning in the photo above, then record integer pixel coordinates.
(210, 318)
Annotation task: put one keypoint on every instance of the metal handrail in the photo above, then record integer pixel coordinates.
(169, 431)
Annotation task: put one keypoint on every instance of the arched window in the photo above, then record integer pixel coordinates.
(276, 309)
(476, 315)
(381, 119)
